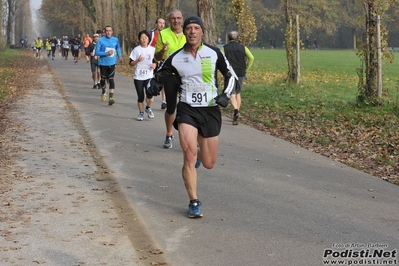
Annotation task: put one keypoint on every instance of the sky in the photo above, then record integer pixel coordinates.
(35, 5)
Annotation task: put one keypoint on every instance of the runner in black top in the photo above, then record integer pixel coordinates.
(192, 72)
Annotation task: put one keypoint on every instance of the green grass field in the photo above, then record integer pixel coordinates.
(328, 80)
(321, 113)
(332, 71)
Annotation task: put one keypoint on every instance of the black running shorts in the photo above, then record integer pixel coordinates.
(75, 53)
(94, 66)
(238, 86)
(208, 120)
(107, 72)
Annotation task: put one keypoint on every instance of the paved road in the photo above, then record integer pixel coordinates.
(266, 202)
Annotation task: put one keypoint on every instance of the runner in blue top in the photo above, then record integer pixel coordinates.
(107, 49)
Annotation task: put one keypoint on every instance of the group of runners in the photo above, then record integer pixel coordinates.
(186, 74)
(175, 63)
(64, 45)
(172, 62)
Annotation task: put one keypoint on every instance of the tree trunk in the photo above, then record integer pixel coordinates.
(371, 64)
(379, 60)
(289, 42)
(135, 22)
(165, 7)
(206, 10)
(10, 19)
(354, 39)
(298, 51)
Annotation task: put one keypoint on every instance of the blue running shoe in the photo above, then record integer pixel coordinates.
(168, 142)
(197, 163)
(150, 113)
(140, 117)
(194, 209)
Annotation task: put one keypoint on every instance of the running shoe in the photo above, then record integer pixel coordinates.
(111, 101)
(163, 105)
(98, 85)
(194, 209)
(235, 118)
(103, 97)
(168, 142)
(197, 163)
(140, 117)
(95, 86)
(149, 113)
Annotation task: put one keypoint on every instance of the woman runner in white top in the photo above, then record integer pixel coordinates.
(142, 58)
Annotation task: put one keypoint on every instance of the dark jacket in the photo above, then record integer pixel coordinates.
(235, 53)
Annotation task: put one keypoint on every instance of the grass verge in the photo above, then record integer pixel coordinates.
(321, 113)
(18, 73)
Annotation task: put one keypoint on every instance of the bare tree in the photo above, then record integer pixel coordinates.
(290, 40)
(206, 10)
(368, 88)
(165, 7)
(12, 6)
(23, 22)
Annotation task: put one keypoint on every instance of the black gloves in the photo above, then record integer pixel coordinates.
(162, 76)
(153, 88)
(222, 100)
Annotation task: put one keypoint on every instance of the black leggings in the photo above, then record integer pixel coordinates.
(107, 72)
(172, 87)
(141, 89)
(65, 52)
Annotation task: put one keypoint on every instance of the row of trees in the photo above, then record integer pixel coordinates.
(339, 23)
(15, 21)
(334, 23)
(371, 50)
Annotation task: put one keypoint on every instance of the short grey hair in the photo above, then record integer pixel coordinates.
(174, 10)
(233, 36)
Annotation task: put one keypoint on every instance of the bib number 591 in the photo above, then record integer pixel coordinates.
(198, 97)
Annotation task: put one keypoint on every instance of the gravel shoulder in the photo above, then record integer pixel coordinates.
(60, 204)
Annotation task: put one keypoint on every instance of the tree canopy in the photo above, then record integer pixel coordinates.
(334, 23)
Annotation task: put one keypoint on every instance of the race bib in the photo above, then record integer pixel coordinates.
(198, 94)
(110, 49)
(142, 70)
